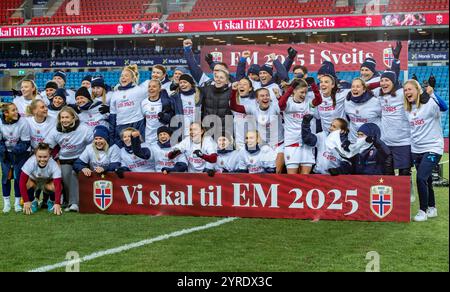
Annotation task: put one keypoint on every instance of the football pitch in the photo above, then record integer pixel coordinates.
(44, 242)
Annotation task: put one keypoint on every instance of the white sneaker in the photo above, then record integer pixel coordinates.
(7, 208)
(74, 208)
(421, 216)
(18, 208)
(432, 212)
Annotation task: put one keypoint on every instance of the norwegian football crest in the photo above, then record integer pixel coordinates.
(217, 57)
(381, 200)
(103, 194)
(388, 57)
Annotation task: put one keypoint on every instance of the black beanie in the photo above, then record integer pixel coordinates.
(165, 129)
(83, 91)
(188, 78)
(51, 84)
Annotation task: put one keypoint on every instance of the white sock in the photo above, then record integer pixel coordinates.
(6, 201)
(16, 201)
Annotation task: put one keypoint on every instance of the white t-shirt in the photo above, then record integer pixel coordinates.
(160, 156)
(197, 164)
(126, 104)
(190, 111)
(22, 103)
(39, 131)
(242, 124)
(35, 172)
(257, 162)
(269, 123)
(228, 161)
(362, 113)
(13, 133)
(150, 110)
(395, 130)
(92, 118)
(136, 164)
(426, 130)
(326, 157)
(293, 118)
(72, 144)
(101, 159)
(327, 112)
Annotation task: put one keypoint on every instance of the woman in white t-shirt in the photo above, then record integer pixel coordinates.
(427, 142)
(41, 172)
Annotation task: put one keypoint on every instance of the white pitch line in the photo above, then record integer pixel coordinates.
(133, 245)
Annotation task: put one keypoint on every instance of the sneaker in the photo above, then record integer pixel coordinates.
(67, 209)
(7, 208)
(74, 208)
(421, 216)
(34, 206)
(18, 208)
(432, 212)
(50, 205)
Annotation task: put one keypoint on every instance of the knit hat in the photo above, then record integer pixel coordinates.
(87, 78)
(60, 74)
(327, 68)
(165, 129)
(370, 64)
(370, 129)
(51, 84)
(61, 92)
(101, 131)
(182, 70)
(390, 75)
(267, 68)
(254, 69)
(83, 91)
(188, 78)
(98, 81)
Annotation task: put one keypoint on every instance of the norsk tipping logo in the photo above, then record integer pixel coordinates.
(103, 194)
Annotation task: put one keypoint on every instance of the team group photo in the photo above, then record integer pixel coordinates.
(221, 136)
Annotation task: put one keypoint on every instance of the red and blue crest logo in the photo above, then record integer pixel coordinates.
(103, 194)
(381, 200)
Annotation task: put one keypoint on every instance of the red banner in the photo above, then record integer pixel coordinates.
(232, 25)
(345, 56)
(362, 198)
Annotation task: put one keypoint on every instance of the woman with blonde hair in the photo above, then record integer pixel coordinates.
(72, 137)
(427, 142)
(98, 158)
(125, 108)
(29, 93)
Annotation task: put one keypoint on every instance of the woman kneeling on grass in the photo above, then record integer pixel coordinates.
(43, 173)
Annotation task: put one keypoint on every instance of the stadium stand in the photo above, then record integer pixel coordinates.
(417, 5)
(428, 46)
(7, 8)
(101, 11)
(230, 8)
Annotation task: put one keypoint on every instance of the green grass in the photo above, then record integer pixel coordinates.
(242, 245)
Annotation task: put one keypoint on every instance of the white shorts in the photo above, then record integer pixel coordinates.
(296, 156)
